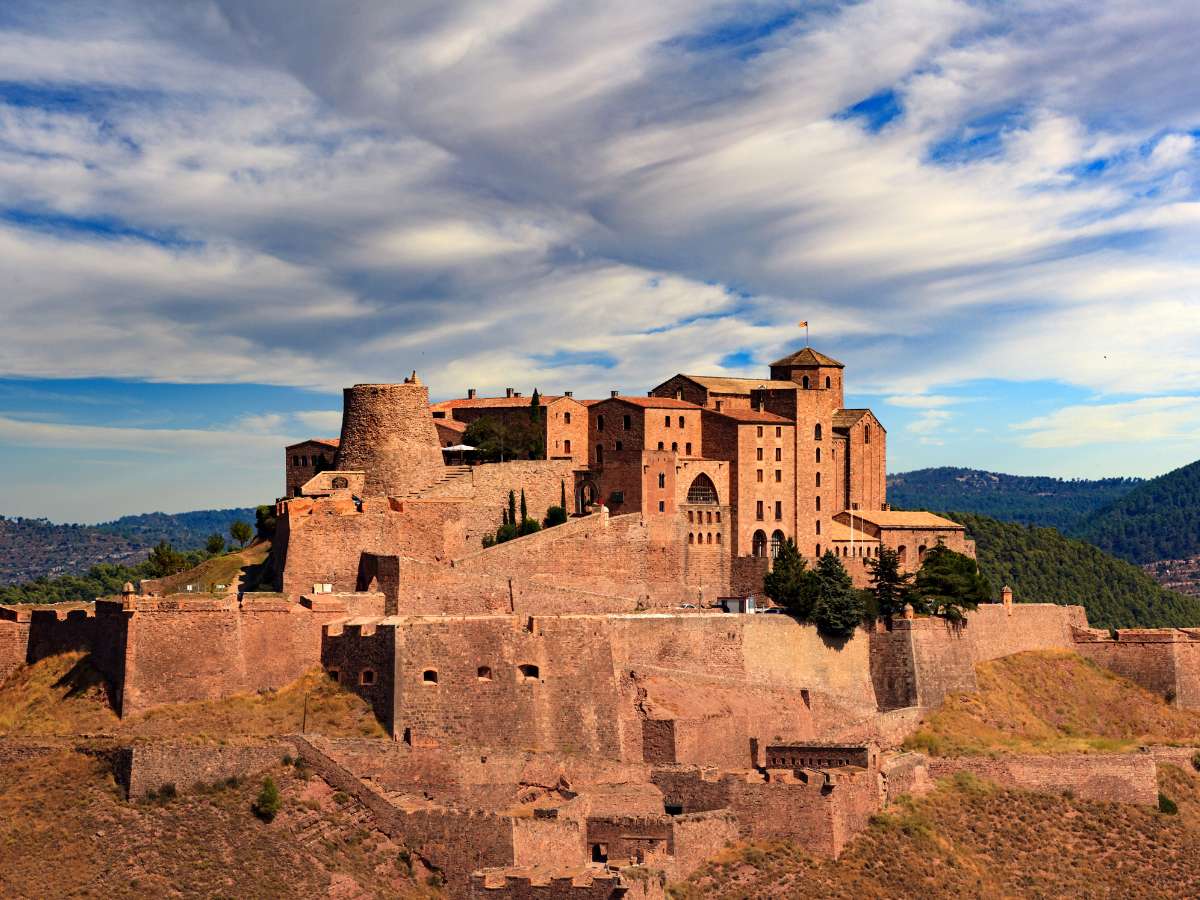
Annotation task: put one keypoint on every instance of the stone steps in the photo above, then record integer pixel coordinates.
(451, 473)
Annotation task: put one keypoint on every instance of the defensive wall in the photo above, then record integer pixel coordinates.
(517, 884)
(1104, 777)
(147, 767)
(1165, 661)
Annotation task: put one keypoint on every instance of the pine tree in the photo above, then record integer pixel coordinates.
(893, 589)
(949, 583)
(241, 532)
(790, 583)
(838, 608)
(269, 803)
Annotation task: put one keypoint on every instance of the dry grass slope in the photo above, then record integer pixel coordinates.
(63, 696)
(66, 831)
(1052, 702)
(973, 839)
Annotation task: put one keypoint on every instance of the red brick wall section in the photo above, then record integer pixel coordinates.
(1105, 777)
(388, 432)
(148, 767)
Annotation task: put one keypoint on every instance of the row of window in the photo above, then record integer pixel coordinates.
(778, 475)
(700, 517)
(627, 422)
(778, 431)
(705, 538)
(525, 672)
(687, 448)
(778, 454)
(305, 461)
(759, 511)
(758, 544)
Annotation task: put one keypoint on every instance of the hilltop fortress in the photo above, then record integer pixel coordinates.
(568, 707)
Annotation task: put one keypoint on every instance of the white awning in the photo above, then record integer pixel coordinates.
(458, 447)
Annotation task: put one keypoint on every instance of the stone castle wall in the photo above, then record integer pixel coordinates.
(149, 767)
(388, 432)
(1165, 661)
(1104, 777)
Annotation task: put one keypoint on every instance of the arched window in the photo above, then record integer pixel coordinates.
(709, 541)
(662, 480)
(827, 381)
(702, 490)
(817, 432)
(674, 447)
(566, 446)
(818, 454)
(777, 540)
(920, 553)
(429, 676)
(660, 445)
(866, 434)
(484, 673)
(691, 538)
(818, 479)
(718, 537)
(759, 544)
(599, 423)
(566, 418)
(902, 552)
(527, 672)
(805, 382)
(340, 483)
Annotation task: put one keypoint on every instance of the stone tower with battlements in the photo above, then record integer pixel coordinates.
(388, 433)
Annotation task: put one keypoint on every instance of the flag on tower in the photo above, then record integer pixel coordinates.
(803, 325)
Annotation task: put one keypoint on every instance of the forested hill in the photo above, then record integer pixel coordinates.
(1043, 566)
(1032, 500)
(31, 548)
(1158, 519)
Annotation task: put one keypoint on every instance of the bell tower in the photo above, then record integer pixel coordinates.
(813, 371)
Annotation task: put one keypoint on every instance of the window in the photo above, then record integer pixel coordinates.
(691, 538)
(527, 672)
(702, 490)
(566, 418)
(710, 517)
(687, 449)
(920, 553)
(760, 471)
(806, 382)
(599, 423)
(366, 676)
(818, 479)
(718, 517)
(599, 454)
(817, 432)
(777, 540)
(719, 405)
(818, 502)
(429, 676)
(626, 421)
(758, 510)
(335, 675)
(681, 421)
(618, 445)
(778, 431)
(758, 545)
(818, 549)
(901, 552)
(666, 421)
(760, 431)
(484, 673)
(690, 514)
(760, 456)
(866, 434)
(674, 447)
(778, 454)
(662, 506)
(818, 454)
(778, 510)
(295, 460)
(818, 526)
(660, 445)
(709, 538)
(827, 381)
(340, 482)
(566, 446)
(778, 475)
(662, 480)
(718, 538)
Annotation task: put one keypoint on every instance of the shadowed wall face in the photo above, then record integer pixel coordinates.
(388, 432)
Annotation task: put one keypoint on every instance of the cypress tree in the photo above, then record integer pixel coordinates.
(524, 507)
(563, 485)
(512, 508)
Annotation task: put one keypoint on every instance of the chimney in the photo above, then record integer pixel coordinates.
(1006, 598)
(568, 393)
(612, 393)
(516, 393)
(508, 392)
(470, 393)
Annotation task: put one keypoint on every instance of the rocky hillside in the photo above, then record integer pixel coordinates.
(35, 548)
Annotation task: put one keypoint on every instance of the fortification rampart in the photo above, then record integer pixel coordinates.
(519, 884)
(1165, 661)
(388, 433)
(1105, 777)
(143, 768)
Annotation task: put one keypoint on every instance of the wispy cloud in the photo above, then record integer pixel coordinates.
(1142, 422)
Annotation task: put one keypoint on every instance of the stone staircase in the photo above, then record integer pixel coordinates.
(449, 474)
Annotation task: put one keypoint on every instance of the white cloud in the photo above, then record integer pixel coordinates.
(229, 445)
(1143, 422)
(326, 421)
(923, 401)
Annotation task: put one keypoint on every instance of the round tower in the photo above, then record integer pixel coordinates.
(388, 433)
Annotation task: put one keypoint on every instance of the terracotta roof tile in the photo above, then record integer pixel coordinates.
(654, 402)
(898, 518)
(494, 402)
(844, 418)
(328, 442)
(807, 357)
(726, 385)
(752, 416)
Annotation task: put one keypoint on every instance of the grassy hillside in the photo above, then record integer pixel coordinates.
(1043, 566)
(973, 839)
(1159, 519)
(1052, 702)
(1031, 500)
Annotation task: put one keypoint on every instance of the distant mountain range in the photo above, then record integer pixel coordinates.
(32, 548)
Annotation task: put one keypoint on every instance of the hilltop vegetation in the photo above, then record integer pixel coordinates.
(38, 548)
(1043, 566)
(1031, 500)
(1159, 519)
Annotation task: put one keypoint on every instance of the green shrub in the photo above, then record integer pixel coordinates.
(1167, 805)
(1196, 760)
(269, 802)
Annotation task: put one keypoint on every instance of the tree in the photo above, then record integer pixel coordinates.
(892, 588)
(166, 560)
(790, 583)
(497, 438)
(838, 608)
(555, 515)
(528, 526)
(265, 521)
(269, 803)
(524, 506)
(241, 532)
(506, 532)
(512, 508)
(215, 545)
(562, 484)
(949, 583)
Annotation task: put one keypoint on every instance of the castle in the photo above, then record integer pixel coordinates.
(570, 714)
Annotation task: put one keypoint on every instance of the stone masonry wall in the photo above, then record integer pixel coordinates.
(148, 767)
(1106, 777)
(388, 433)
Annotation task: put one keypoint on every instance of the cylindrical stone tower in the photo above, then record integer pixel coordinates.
(388, 432)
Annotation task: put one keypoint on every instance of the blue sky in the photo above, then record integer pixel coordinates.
(216, 213)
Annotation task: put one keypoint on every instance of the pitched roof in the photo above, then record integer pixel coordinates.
(839, 531)
(328, 442)
(899, 518)
(807, 357)
(653, 402)
(844, 418)
(722, 384)
(513, 402)
(450, 424)
(751, 416)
